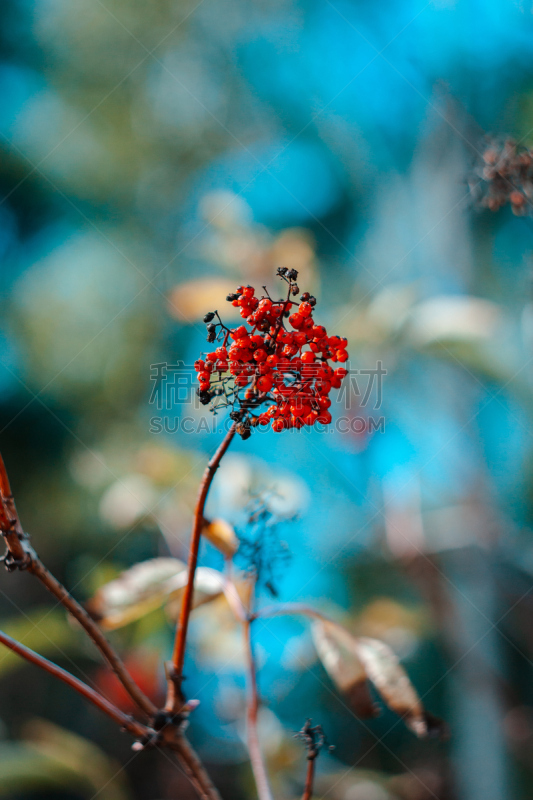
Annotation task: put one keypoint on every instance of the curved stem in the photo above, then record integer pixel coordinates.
(256, 758)
(309, 779)
(126, 722)
(174, 695)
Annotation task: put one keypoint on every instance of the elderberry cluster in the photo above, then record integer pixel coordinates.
(507, 177)
(281, 358)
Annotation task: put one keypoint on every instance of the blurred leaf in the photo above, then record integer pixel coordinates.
(148, 586)
(222, 536)
(337, 649)
(351, 661)
(392, 682)
(45, 630)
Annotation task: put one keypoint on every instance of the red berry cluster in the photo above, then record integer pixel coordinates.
(270, 362)
(507, 177)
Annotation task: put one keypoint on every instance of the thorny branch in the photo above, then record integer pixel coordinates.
(19, 554)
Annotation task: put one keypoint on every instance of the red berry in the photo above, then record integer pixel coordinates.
(308, 358)
(342, 355)
(324, 418)
(305, 309)
(296, 320)
(264, 383)
(204, 386)
(278, 425)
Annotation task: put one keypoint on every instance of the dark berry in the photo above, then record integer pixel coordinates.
(209, 316)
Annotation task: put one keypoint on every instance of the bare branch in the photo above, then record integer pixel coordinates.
(23, 556)
(128, 723)
(174, 696)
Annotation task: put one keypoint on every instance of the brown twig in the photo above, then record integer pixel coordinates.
(314, 740)
(22, 555)
(194, 768)
(309, 779)
(128, 723)
(38, 569)
(175, 741)
(175, 673)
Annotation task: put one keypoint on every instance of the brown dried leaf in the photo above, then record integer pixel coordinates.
(148, 586)
(222, 536)
(392, 682)
(337, 650)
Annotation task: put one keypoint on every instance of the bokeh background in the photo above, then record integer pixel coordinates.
(154, 155)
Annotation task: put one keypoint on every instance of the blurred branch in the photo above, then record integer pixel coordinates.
(254, 749)
(128, 723)
(175, 673)
(21, 555)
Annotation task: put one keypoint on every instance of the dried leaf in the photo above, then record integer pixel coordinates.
(222, 536)
(148, 586)
(392, 682)
(208, 584)
(351, 661)
(337, 649)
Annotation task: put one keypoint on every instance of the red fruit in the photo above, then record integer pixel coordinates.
(290, 350)
(272, 360)
(221, 352)
(211, 357)
(263, 419)
(238, 333)
(296, 320)
(324, 418)
(204, 386)
(305, 309)
(341, 372)
(324, 402)
(248, 291)
(308, 358)
(264, 383)
(342, 355)
(323, 387)
(318, 331)
(199, 365)
(203, 377)
(278, 425)
(242, 380)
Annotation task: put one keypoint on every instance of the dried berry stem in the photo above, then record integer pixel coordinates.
(174, 695)
(254, 749)
(128, 723)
